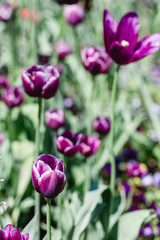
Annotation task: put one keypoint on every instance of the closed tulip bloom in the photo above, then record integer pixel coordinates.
(95, 59)
(62, 49)
(68, 143)
(5, 12)
(55, 118)
(102, 125)
(4, 81)
(136, 169)
(11, 233)
(90, 145)
(121, 41)
(13, 97)
(41, 81)
(74, 13)
(48, 175)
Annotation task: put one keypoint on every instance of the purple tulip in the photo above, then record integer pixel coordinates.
(55, 118)
(13, 97)
(102, 125)
(6, 12)
(146, 231)
(62, 49)
(74, 13)
(66, 1)
(48, 175)
(156, 179)
(95, 59)
(4, 81)
(127, 188)
(68, 143)
(1, 138)
(43, 59)
(11, 233)
(41, 81)
(136, 169)
(121, 41)
(90, 145)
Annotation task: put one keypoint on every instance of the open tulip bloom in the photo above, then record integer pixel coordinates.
(11, 233)
(121, 40)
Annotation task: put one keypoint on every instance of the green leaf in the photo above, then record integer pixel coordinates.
(31, 228)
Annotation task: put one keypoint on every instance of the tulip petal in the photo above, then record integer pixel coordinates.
(42, 167)
(48, 159)
(3, 235)
(121, 55)
(48, 183)
(35, 177)
(63, 143)
(15, 234)
(109, 28)
(148, 45)
(71, 151)
(25, 236)
(61, 182)
(128, 29)
(8, 229)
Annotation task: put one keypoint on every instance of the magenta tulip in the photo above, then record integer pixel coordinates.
(55, 118)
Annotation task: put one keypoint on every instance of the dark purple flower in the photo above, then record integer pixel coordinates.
(136, 169)
(1, 138)
(121, 41)
(62, 49)
(156, 179)
(6, 12)
(68, 143)
(146, 231)
(66, 1)
(41, 81)
(48, 175)
(4, 81)
(11, 233)
(95, 59)
(68, 103)
(55, 118)
(13, 97)
(74, 13)
(90, 145)
(129, 154)
(147, 180)
(43, 59)
(102, 125)
(127, 187)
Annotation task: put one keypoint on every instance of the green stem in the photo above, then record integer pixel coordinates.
(48, 219)
(37, 195)
(113, 164)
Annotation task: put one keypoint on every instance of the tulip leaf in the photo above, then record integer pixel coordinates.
(31, 228)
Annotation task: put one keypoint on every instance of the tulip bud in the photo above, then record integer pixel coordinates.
(136, 169)
(74, 14)
(62, 49)
(68, 143)
(6, 12)
(48, 175)
(41, 81)
(55, 118)
(4, 81)
(13, 97)
(11, 233)
(102, 125)
(95, 59)
(89, 145)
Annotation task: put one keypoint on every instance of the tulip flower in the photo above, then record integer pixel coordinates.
(4, 81)
(136, 169)
(147, 180)
(102, 125)
(69, 103)
(146, 231)
(121, 41)
(6, 12)
(41, 81)
(13, 97)
(95, 59)
(48, 175)
(11, 233)
(89, 145)
(62, 49)
(55, 118)
(74, 14)
(68, 143)
(43, 59)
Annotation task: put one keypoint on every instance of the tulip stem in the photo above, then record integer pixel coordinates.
(37, 195)
(113, 164)
(48, 219)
